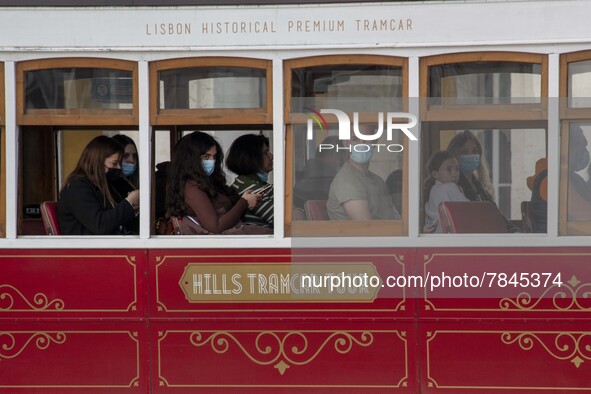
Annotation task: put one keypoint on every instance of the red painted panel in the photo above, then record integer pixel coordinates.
(505, 357)
(73, 358)
(527, 288)
(49, 284)
(167, 268)
(283, 358)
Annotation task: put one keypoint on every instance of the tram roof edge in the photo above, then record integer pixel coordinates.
(172, 3)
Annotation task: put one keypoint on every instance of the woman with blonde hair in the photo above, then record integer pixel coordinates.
(474, 177)
(87, 205)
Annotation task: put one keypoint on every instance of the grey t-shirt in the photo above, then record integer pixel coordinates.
(352, 184)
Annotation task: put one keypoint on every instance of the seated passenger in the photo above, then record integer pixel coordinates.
(474, 180)
(128, 179)
(249, 157)
(196, 190)
(538, 184)
(160, 180)
(441, 185)
(87, 205)
(356, 193)
(579, 193)
(129, 161)
(394, 184)
(318, 173)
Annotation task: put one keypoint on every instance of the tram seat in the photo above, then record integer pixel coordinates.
(298, 214)
(316, 210)
(471, 217)
(527, 217)
(49, 216)
(176, 225)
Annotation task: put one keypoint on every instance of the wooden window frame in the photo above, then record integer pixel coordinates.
(483, 111)
(568, 116)
(210, 116)
(333, 228)
(75, 117)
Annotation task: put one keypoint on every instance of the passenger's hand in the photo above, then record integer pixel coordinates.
(431, 228)
(251, 198)
(134, 199)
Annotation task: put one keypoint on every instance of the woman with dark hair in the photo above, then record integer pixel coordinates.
(249, 157)
(196, 190)
(129, 161)
(87, 205)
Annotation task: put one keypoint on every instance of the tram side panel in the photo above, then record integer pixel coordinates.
(73, 321)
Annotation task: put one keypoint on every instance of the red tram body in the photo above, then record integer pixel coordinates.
(226, 314)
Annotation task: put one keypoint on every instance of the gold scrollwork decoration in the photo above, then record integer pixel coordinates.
(574, 347)
(569, 296)
(9, 295)
(283, 351)
(11, 346)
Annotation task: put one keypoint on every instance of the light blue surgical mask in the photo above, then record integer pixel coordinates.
(469, 163)
(361, 157)
(263, 176)
(128, 169)
(208, 166)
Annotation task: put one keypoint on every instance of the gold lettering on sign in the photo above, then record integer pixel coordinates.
(345, 282)
(168, 29)
(236, 27)
(316, 25)
(383, 24)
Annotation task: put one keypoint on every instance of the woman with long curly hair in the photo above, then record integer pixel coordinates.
(197, 192)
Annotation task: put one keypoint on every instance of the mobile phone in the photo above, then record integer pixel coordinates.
(264, 189)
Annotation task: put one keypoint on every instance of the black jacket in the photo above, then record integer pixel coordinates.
(83, 210)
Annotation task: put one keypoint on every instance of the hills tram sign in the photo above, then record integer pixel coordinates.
(345, 130)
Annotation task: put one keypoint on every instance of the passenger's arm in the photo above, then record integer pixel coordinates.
(201, 205)
(357, 209)
(88, 209)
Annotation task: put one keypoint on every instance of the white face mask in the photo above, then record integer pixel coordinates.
(361, 157)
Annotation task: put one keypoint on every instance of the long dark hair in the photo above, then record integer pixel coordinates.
(124, 140)
(245, 156)
(186, 166)
(91, 164)
(434, 163)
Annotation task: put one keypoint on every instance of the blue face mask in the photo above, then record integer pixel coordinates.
(361, 157)
(263, 176)
(208, 166)
(128, 169)
(469, 163)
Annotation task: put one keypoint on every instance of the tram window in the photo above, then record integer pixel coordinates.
(321, 197)
(577, 193)
(579, 84)
(49, 155)
(485, 83)
(212, 87)
(78, 88)
(355, 88)
(164, 149)
(506, 158)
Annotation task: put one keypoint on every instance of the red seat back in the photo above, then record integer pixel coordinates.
(176, 225)
(471, 217)
(49, 216)
(316, 210)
